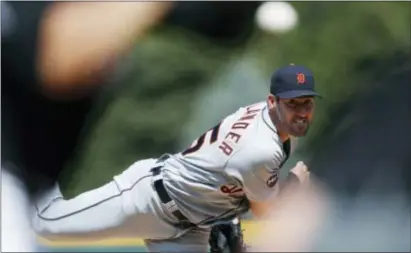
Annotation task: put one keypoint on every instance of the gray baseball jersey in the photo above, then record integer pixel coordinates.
(237, 160)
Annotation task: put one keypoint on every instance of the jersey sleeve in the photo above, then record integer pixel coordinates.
(257, 169)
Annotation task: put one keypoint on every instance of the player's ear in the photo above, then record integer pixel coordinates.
(271, 101)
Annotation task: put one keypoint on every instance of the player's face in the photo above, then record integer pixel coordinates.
(296, 114)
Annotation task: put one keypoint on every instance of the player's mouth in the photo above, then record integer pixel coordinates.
(301, 121)
(300, 124)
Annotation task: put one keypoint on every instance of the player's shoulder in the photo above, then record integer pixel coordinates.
(260, 151)
(257, 106)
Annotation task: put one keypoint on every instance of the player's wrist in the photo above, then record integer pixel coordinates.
(292, 179)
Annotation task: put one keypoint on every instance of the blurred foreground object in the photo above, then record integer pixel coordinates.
(55, 59)
(313, 220)
(55, 62)
(294, 223)
(79, 40)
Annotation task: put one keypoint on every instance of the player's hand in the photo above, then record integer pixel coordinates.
(301, 172)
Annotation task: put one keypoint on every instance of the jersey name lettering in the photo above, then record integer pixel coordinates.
(200, 141)
(241, 123)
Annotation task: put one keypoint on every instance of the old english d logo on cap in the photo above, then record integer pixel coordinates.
(300, 78)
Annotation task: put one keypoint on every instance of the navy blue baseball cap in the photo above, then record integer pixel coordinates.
(293, 81)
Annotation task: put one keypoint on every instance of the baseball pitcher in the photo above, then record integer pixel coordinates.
(172, 202)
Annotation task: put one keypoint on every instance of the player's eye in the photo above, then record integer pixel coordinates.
(291, 105)
(294, 105)
(309, 103)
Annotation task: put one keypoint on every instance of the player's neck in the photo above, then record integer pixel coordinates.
(283, 136)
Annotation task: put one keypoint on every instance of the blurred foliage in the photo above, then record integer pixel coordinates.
(161, 80)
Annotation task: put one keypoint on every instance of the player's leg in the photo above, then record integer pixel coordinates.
(126, 206)
(195, 240)
(16, 232)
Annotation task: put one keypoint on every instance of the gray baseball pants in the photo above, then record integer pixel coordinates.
(129, 205)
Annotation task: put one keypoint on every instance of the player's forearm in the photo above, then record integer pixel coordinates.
(97, 213)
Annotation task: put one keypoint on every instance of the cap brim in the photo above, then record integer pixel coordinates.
(297, 94)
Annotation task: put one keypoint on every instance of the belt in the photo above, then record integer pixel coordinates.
(169, 203)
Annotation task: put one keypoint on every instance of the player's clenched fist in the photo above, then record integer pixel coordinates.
(300, 173)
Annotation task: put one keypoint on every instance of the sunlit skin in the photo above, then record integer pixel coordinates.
(291, 116)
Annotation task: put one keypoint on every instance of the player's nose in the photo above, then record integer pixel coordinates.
(303, 112)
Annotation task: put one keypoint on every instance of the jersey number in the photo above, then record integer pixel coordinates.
(200, 141)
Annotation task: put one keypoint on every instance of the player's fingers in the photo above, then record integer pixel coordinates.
(300, 164)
